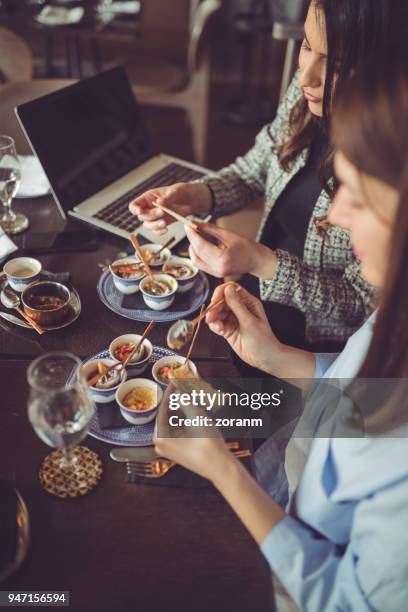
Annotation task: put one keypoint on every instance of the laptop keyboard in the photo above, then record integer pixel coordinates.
(117, 212)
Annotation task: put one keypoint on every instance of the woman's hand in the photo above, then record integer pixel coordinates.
(201, 449)
(234, 255)
(242, 321)
(184, 198)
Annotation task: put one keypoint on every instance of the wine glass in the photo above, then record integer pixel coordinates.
(60, 409)
(10, 177)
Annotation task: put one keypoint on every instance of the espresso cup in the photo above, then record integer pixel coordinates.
(22, 271)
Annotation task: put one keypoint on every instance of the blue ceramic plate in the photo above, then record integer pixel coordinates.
(133, 306)
(128, 435)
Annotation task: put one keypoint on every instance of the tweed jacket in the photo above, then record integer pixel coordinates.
(326, 284)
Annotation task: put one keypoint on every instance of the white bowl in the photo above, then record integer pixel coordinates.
(126, 285)
(184, 284)
(101, 396)
(138, 417)
(153, 248)
(159, 302)
(135, 366)
(164, 361)
(19, 282)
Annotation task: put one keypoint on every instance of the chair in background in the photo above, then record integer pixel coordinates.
(16, 62)
(164, 82)
(17, 85)
(288, 26)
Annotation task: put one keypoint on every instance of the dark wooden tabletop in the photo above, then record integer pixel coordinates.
(124, 546)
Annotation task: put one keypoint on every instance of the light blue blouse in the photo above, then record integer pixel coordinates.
(345, 545)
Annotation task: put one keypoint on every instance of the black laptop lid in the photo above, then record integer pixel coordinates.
(86, 135)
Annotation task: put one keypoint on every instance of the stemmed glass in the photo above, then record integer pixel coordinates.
(10, 176)
(60, 410)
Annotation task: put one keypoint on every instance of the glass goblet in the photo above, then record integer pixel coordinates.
(60, 409)
(10, 176)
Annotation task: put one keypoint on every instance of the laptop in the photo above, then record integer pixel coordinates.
(95, 151)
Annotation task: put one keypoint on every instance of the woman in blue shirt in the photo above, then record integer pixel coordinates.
(343, 544)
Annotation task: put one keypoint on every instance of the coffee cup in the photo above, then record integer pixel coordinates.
(22, 271)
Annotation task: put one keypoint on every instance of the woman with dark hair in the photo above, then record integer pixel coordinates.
(303, 270)
(343, 544)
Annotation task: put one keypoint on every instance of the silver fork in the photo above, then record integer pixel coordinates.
(159, 467)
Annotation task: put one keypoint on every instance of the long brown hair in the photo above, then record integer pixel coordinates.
(353, 29)
(370, 128)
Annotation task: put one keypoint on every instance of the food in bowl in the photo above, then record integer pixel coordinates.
(157, 288)
(159, 291)
(46, 302)
(180, 271)
(103, 390)
(127, 274)
(163, 373)
(140, 398)
(165, 369)
(122, 352)
(154, 255)
(110, 378)
(120, 347)
(128, 271)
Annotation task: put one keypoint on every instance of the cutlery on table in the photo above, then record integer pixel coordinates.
(159, 467)
(120, 366)
(145, 454)
(11, 300)
(15, 320)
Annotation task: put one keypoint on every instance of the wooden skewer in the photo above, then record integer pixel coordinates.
(210, 307)
(176, 215)
(166, 245)
(197, 329)
(120, 366)
(139, 252)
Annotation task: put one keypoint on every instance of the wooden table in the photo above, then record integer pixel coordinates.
(124, 547)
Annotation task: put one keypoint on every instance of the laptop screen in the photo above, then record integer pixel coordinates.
(86, 135)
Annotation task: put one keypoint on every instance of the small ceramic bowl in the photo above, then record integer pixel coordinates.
(139, 363)
(101, 396)
(126, 285)
(159, 302)
(22, 271)
(153, 248)
(46, 289)
(184, 284)
(138, 417)
(168, 361)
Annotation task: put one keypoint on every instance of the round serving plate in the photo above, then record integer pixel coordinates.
(134, 307)
(73, 313)
(128, 435)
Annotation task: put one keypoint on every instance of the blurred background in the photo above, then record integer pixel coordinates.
(207, 73)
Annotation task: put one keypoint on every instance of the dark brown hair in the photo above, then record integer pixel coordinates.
(354, 28)
(370, 128)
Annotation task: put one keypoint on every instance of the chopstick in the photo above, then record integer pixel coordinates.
(166, 245)
(138, 250)
(120, 366)
(197, 329)
(176, 215)
(210, 307)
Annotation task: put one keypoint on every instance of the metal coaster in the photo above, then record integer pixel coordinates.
(68, 484)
